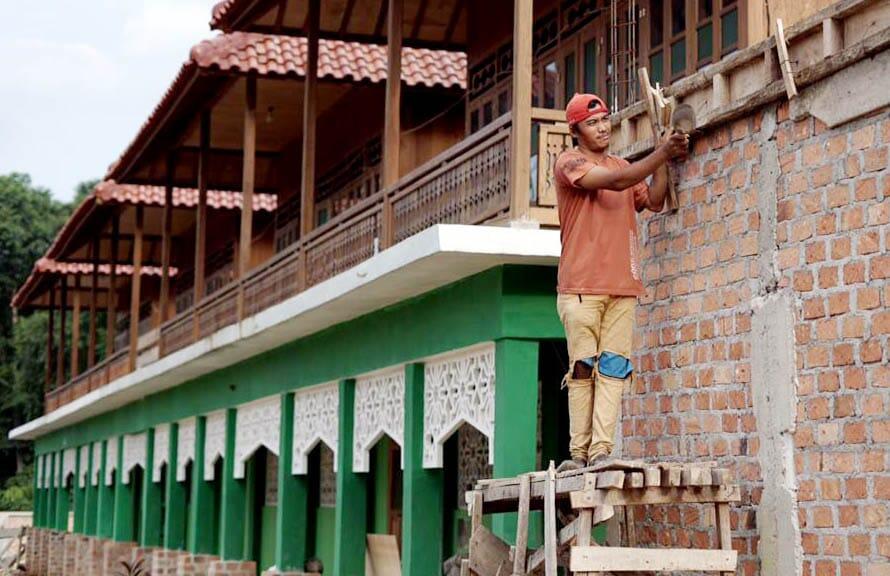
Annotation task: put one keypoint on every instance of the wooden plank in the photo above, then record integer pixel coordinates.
(705, 494)
(383, 550)
(634, 480)
(522, 525)
(310, 118)
(785, 61)
(724, 530)
(248, 179)
(671, 476)
(606, 559)
(75, 330)
(610, 479)
(520, 143)
(652, 476)
(136, 288)
(111, 308)
(201, 218)
(550, 542)
(50, 335)
(567, 537)
(166, 242)
(720, 476)
(584, 528)
(464, 567)
(60, 349)
(489, 555)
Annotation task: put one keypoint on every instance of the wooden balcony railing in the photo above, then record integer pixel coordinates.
(467, 184)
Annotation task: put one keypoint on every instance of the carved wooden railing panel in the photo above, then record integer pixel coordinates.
(349, 241)
(118, 365)
(277, 281)
(176, 334)
(219, 311)
(467, 184)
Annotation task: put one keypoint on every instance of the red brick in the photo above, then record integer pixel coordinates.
(837, 145)
(817, 356)
(881, 323)
(863, 138)
(874, 462)
(828, 277)
(841, 462)
(880, 431)
(854, 378)
(879, 267)
(854, 433)
(855, 488)
(853, 218)
(882, 488)
(815, 252)
(844, 406)
(813, 154)
(868, 243)
(854, 327)
(803, 281)
(839, 196)
(852, 166)
(875, 515)
(875, 159)
(867, 298)
(873, 405)
(866, 189)
(848, 516)
(854, 273)
(826, 224)
(870, 350)
(839, 303)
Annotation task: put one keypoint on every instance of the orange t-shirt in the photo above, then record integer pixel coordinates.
(598, 229)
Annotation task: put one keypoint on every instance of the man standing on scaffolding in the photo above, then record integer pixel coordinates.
(599, 270)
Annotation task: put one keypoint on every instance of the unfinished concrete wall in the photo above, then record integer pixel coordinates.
(763, 342)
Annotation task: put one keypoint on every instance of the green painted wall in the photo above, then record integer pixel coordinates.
(503, 302)
(267, 549)
(325, 520)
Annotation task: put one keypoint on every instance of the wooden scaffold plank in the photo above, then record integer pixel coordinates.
(550, 542)
(614, 559)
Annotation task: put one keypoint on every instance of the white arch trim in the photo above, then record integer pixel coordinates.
(258, 425)
(316, 419)
(379, 410)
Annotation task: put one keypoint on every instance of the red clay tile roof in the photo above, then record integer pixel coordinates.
(264, 54)
(50, 266)
(285, 56)
(111, 191)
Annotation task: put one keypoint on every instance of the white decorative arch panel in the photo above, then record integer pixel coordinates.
(258, 424)
(69, 463)
(110, 460)
(214, 442)
(379, 409)
(40, 468)
(97, 463)
(160, 451)
(83, 477)
(459, 387)
(185, 447)
(134, 454)
(316, 418)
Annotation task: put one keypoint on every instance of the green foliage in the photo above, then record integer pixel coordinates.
(137, 568)
(29, 220)
(18, 491)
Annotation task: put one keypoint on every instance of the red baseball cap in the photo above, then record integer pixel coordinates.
(583, 106)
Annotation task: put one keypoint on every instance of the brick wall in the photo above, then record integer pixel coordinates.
(815, 233)
(224, 568)
(165, 562)
(195, 565)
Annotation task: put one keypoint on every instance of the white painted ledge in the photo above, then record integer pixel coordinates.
(431, 259)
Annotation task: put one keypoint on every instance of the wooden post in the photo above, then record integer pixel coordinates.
(248, 172)
(60, 357)
(310, 97)
(520, 143)
(94, 294)
(75, 330)
(136, 288)
(110, 320)
(392, 113)
(50, 335)
(724, 529)
(166, 230)
(201, 218)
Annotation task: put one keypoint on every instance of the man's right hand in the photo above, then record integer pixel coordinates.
(676, 145)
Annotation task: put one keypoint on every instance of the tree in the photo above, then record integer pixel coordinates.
(29, 220)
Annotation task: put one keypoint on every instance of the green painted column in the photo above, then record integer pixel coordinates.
(79, 494)
(382, 479)
(291, 522)
(51, 493)
(123, 500)
(233, 497)
(423, 490)
(515, 428)
(62, 494)
(150, 519)
(105, 515)
(174, 511)
(350, 522)
(200, 523)
(91, 504)
(40, 491)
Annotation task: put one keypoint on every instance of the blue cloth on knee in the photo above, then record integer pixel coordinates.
(615, 365)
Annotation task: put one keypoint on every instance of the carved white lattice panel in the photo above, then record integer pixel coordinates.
(40, 469)
(83, 477)
(316, 418)
(97, 463)
(472, 461)
(259, 424)
(327, 478)
(134, 454)
(185, 447)
(110, 460)
(214, 442)
(458, 388)
(379, 410)
(161, 451)
(69, 464)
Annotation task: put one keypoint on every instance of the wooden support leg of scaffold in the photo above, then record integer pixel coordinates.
(550, 543)
(583, 537)
(522, 526)
(724, 530)
(489, 555)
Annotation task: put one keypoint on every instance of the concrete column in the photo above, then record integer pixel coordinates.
(423, 489)
(174, 511)
(123, 500)
(515, 441)
(200, 533)
(105, 520)
(352, 495)
(79, 494)
(233, 498)
(291, 523)
(91, 499)
(150, 519)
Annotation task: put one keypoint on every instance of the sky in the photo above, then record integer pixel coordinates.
(79, 77)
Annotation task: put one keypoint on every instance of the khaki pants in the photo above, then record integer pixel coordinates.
(599, 327)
